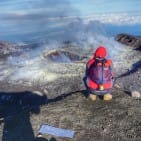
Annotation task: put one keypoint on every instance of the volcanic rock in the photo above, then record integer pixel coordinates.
(135, 94)
(7, 48)
(63, 56)
(130, 40)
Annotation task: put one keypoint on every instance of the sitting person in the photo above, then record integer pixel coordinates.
(99, 75)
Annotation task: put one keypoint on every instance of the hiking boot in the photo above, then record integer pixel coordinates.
(92, 97)
(107, 97)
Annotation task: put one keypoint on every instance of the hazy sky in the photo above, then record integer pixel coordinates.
(33, 17)
(106, 6)
(84, 7)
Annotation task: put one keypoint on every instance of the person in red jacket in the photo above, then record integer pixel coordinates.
(99, 75)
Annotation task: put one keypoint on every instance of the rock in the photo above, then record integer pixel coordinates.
(135, 94)
(39, 135)
(7, 48)
(63, 56)
(117, 86)
(130, 40)
(38, 93)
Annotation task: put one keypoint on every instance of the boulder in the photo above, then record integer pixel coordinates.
(135, 94)
(130, 40)
(7, 48)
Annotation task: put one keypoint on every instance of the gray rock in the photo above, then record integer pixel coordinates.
(7, 49)
(130, 40)
(135, 94)
(63, 56)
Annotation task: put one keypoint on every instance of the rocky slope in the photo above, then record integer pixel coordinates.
(57, 97)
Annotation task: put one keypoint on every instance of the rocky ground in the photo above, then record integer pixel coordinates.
(64, 103)
(117, 120)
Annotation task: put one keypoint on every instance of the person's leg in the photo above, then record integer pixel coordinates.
(107, 97)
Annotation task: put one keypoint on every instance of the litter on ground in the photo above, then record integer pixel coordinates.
(46, 129)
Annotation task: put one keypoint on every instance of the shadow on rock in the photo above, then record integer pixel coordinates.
(63, 96)
(133, 69)
(43, 139)
(15, 112)
(52, 139)
(138, 49)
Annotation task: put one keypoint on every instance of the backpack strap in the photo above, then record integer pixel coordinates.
(100, 62)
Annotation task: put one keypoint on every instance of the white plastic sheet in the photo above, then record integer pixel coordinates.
(46, 129)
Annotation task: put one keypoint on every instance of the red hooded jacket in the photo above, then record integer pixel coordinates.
(91, 76)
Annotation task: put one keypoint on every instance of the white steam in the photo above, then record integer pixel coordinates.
(87, 36)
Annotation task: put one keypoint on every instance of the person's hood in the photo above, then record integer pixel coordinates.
(100, 52)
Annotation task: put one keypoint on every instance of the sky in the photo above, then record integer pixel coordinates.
(26, 18)
(106, 6)
(85, 7)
